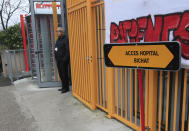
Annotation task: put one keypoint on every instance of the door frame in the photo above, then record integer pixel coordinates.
(34, 30)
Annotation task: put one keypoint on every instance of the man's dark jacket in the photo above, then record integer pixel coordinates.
(62, 49)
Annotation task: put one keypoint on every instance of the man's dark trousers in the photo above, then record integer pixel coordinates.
(63, 73)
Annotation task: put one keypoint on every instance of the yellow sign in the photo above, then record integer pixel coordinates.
(154, 56)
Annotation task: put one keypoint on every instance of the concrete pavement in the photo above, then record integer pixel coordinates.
(47, 109)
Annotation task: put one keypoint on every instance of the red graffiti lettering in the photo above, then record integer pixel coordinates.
(121, 34)
(126, 28)
(133, 32)
(38, 5)
(182, 34)
(144, 28)
(153, 33)
(171, 22)
(142, 25)
(114, 35)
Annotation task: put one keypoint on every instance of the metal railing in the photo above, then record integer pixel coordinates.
(16, 64)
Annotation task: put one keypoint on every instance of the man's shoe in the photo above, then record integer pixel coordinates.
(59, 89)
(64, 90)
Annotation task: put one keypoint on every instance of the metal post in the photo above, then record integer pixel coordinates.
(92, 55)
(16, 67)
(55, 19)
(29, 49)
(111, 91)
(64, 16)
(9, 66)
(152, 120)
(33, 23)
(24, 41)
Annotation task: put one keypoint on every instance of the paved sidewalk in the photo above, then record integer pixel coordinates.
(47, 109)
(4, 81)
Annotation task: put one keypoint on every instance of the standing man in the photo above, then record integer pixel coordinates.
(62, 57)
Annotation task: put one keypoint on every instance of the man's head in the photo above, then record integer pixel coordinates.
(59, 31)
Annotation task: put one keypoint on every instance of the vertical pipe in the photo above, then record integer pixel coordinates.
(71, 48)
(83, 55)
(126, 88)
(117, 90)
(121, 92)
(160, 100)
(146, 96)
(16, 68)
(96, 41)
(55, 23)
(100, 67)
(167, 103)
(102, 62)
(103, 14)
(87, 54)
(136, 96)
(110, 73)
(55, 19)
(24, 41)
(75, 51)
(92, 55)
(29, 48)
(71, 27)
(72, 51)
(80, 54)
(141, 100)
(152, 120)
(35, 40)
(175, 102)
(20, 62)
(9, 66)
(131, 80)
(64, 16)
(88, 64)
(184, 99)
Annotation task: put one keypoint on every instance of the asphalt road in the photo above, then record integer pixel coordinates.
(12, 118)
(26, 107)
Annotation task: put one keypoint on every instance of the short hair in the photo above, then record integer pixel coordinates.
(61, 28)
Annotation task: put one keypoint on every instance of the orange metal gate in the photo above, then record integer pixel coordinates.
(82, 51)
(99, 29)
(173, 101)
(116, 91)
